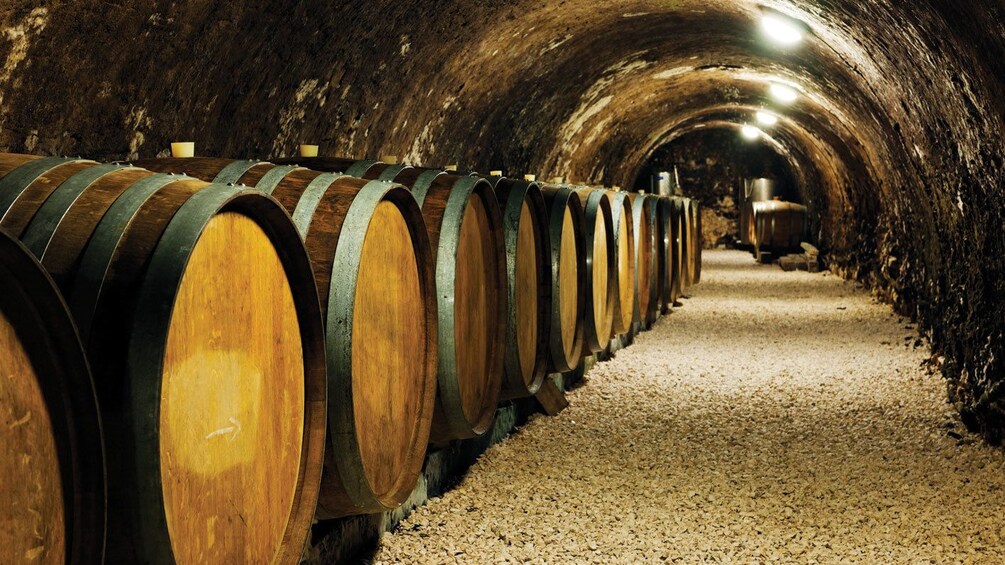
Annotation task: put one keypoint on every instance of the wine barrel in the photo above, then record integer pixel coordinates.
(52, 473)
(693, 241)
(670, 219)
(644, 209)
(528, 268)
(466, 235)
(373, 267)
(624, 238)
(601, 265)
(566, 234)
(200, 317)
(701, 242)
(683, 243)
(778, 226)
(664, 252)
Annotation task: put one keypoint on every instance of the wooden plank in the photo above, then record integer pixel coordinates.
(551, 398)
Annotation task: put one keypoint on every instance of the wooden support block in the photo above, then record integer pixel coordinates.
(551, 398)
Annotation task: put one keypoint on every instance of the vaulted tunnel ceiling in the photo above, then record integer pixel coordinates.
(897, 135)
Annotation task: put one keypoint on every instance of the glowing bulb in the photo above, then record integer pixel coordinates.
(783, 93)
(782, 30)
(766, 118)
(750, 132)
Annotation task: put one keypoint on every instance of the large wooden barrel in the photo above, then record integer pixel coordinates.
(693, 240)
(52, 472)
(567, 236)
(664, 252)
(466, 235)
(602, 268)
(528, 268)
(670, 220)
(373, 267)
(624, 238)
(778, 226)
(644, 213)
(684, 243)
(200, 317)
(701, 242)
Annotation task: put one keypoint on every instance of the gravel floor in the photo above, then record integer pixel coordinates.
(776, 417)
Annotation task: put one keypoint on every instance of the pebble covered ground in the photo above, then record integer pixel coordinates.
(775, 417)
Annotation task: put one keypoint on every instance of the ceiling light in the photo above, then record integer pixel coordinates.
(766, 118)
(781, 29)
(783, 93)
(750, 132)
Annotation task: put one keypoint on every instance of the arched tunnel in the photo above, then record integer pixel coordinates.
(894, 138)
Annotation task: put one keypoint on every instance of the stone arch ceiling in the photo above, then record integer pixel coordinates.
(898, 133)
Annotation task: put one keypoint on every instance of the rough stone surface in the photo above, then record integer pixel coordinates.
(899, 132)
(777, 417)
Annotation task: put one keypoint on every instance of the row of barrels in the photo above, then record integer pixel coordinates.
(772, 226)
(203, 356)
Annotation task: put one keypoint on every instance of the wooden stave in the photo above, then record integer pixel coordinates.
(155, 542)
(45, 235)
(443, 199)
(624, 318)
(512, 195)
(558, 198)
(644, 210)
(29, 296)
(26, 187)
(208, 169)
(346, 489)
(598, 202)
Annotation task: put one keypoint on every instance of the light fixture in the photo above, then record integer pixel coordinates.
(750, 132)
(783, 93)
(766, 118)
(782, 29)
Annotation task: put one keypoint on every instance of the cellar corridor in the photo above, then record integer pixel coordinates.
(423, 282)
(777, 417)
